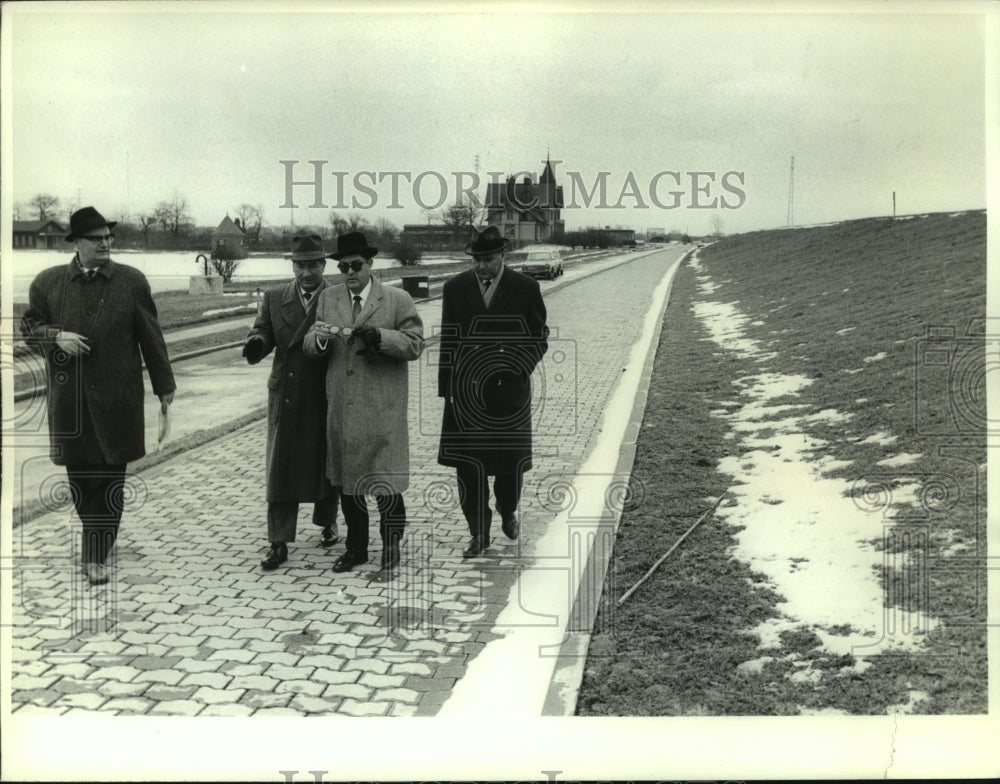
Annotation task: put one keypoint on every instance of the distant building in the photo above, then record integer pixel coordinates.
(435, 236)
(38, 234)
(526, 212)
(617, 236)
(229, 240)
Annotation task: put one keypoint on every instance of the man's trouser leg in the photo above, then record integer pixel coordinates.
(507, 489)
(99, 498)
(474, 497)
(356, 517)
(392, 516)
(325, 511)
(282, 518)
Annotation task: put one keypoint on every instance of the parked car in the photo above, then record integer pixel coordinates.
(543, 263)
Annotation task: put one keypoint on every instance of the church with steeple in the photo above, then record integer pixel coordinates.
(526, 212)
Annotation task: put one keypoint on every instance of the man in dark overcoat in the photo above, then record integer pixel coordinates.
(95, 322)
(493, 334)
(296, 403)
(368, 333)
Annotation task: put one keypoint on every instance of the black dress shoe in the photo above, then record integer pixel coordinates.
(276, 556)
(476, 547)
(510, 527)
(328, 537)
(348, 561)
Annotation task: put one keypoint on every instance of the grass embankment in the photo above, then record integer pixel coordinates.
(847, 307)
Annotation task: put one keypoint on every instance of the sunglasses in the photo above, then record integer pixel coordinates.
(97, 239)
(343, 266)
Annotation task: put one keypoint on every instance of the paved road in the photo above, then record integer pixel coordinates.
(192, 626)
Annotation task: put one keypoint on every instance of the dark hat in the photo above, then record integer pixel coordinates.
(308, 247)
(487, 241)
(353, 242)
(86, 219)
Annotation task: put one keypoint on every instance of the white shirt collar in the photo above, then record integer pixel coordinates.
(363, 293)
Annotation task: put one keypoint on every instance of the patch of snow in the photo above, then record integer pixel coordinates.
(913, 699)
(845, 330)
(875, 357)
(861, 400)
(725, 323)
(899, 460)
(754, 666)
(880, 437)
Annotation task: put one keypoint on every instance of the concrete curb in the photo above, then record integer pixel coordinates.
(571, 660)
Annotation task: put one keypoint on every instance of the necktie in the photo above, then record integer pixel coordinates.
(487, 283)
(356, 309)
(306, 296)
(90, 274)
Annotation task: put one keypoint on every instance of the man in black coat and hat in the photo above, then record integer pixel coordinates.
(493, 334)
(95, 321)
(296, 403)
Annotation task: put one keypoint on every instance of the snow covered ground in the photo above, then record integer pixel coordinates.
(798, 526)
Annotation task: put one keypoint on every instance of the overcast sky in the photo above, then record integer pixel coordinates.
(121, 106)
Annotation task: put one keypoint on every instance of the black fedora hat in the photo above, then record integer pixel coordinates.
(354, 242)
(487, 241)
(86, 219)
(308, 247)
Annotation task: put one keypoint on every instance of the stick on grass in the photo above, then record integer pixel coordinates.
(666, 555)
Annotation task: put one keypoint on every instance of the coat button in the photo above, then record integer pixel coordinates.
(350, 372)
(291, 373)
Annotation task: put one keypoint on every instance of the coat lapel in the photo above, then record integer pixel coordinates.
(472, 294)
(308, 315)
(291, 307)
(506, 288)
(372, 304)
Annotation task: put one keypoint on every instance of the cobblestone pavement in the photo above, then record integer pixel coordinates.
(190, 625)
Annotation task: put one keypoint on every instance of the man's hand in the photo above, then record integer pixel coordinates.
(166, 400)
(253, 349)
(72, 343)
(370, 337)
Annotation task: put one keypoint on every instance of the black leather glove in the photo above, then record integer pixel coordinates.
(253, 350)
(370, 339)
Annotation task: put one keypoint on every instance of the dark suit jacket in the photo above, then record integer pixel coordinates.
(484, 375)
(296, 398)
(95, 402)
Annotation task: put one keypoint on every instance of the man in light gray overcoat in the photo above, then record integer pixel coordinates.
(95, 322)
(368, 333)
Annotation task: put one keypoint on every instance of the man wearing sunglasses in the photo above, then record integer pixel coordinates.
(296, 404)
(367, 333)
(95, 322)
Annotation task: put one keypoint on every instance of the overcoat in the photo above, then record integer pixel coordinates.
(487, 357)
(296, 399)
(366, 422)
(95, 401)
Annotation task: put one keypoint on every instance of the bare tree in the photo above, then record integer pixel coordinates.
(251, 218)
(352, 222)
(146, 222)
(717, 225)
(45, 204)
(173, 215)
(462, 218)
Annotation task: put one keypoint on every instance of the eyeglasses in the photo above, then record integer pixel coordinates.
(355, 265)
(97, 239)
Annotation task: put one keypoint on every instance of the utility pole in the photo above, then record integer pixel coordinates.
(791, 194)
(894, 205)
